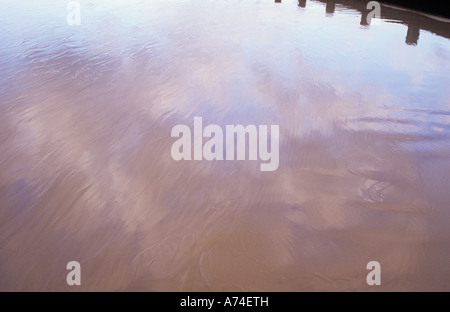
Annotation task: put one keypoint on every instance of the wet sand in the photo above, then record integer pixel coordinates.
(86, 172)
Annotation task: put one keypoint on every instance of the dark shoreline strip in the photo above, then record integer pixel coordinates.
(437, 7)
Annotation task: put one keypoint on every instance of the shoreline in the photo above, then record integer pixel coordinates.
(438, 8)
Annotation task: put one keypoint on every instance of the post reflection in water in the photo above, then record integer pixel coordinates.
(330, 7)
(412, 36)
(302, 3)
(86, 172)
(415, 21)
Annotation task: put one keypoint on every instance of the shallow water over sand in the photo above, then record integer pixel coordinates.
(86, 172)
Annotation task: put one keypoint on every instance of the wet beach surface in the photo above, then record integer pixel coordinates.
(86, 172)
